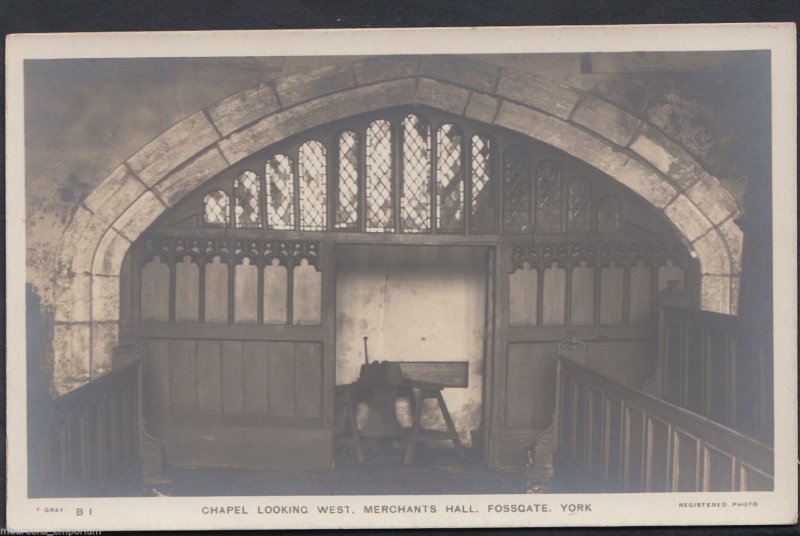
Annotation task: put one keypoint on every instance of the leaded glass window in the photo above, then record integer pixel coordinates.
(449, 178)
(312, 169)
(579, 206)
(380, 214)
(608, 215)
(247, 193)
(280, 193)
(548, 196)
(516, 190)
(415, 201)
(482, 210)
(216, 205)
(347, 185)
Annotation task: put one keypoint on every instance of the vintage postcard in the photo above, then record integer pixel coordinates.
(497, 277)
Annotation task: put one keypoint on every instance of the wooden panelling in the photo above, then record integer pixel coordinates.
(276, 297)
(581, 306)
(228, 378)
(307, 295)
(86, 443)
(612, 294)
(523, 291)
(156, 375)
(209, 378)
(647, 444)
(671, 272)
(281, 379)
(245, 294)
(154, 290)
(183, 376)
(718, 366)
(187, 290)
(554, 295)
(216, 291)
(233, 378)
(640, 294)
(530, 396)
(308, 379)
(256, 387)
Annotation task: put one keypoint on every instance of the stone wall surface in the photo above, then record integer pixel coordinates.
(176, 123)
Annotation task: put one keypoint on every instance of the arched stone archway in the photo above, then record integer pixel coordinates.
(168, 168)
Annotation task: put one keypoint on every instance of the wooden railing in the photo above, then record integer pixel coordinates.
(717, 365)
(86, 443)
(622, 439)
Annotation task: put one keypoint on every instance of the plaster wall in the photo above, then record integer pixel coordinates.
(415, 304)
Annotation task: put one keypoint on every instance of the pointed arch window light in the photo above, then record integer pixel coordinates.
(380, 205)
(247, 197)
(312, 169)
(449, 178)
(347, 203)
(280, 193)
(415, 202)
(216, 208)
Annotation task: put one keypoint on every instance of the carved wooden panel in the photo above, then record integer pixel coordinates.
(187, 290)
(154, 291)
(240, 280)
(523, 295)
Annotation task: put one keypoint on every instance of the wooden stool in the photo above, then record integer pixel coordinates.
(425, 391)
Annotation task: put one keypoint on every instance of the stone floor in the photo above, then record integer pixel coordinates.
(433, 471)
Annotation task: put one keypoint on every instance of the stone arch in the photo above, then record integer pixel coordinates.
(168, 168)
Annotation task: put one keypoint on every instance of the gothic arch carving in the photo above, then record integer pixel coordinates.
(171, 166)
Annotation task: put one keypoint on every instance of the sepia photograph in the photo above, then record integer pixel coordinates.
(408, 278)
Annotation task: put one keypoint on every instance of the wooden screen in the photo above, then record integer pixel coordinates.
(235, 342)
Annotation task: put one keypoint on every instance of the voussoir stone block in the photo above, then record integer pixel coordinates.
(381, 68)
(590, 148)
(139, 216)
(198, 170)
(118, 190)
(79, 241)
(105, 298)
(667, 157)
(733, 237)
(461, 71)
(242, 108)
(713, 253)
(73, 298)
(607, 120)
(687, 218)
(715, 293)
(72, 356)
(110, 253)
(172, 148)
(531, 90)
(713, 199)
(735, 287)
(283, 124)
(305, 86)
(442, 96)
(482, 107)
(105, 336)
